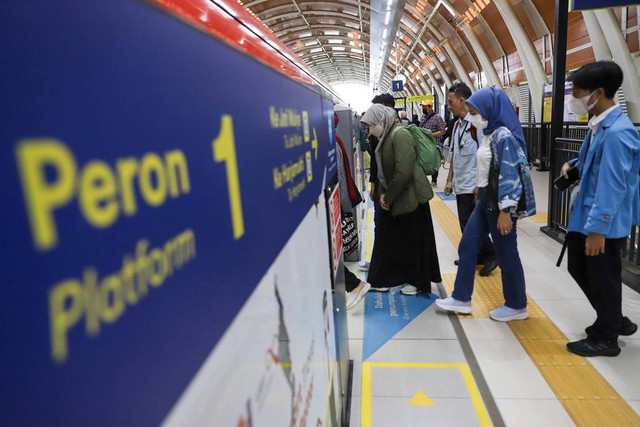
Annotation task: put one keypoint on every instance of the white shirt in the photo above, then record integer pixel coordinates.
(464, 154)
(595, 121)
(484, 161)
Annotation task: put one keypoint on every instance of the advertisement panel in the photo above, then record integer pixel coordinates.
(142, 206)
(569, 116)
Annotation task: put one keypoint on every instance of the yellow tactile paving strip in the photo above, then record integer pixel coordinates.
(540, 217)
(586, 396)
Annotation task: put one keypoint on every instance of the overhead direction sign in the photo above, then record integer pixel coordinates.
(397, 85)
(575, 5)
(420, 98)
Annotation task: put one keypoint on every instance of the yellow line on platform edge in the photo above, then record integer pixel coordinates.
(572, 378)
(474, 393)
(365, 416)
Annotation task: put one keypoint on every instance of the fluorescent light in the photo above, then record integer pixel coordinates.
(385, 32)
(386, 18)
(389, 3)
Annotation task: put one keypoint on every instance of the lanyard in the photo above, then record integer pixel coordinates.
(461, 135)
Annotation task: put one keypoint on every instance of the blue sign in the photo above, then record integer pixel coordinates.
(387, 313)
(396, 85)
(599, 4)
(142, 201)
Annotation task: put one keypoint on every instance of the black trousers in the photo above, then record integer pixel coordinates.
(350, 279)
(434, 177)
(600, 278)
(466, 205)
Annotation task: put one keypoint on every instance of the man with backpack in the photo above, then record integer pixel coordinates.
(462, 173)
(436, 124)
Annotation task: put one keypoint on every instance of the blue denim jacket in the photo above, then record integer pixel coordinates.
(511, 161)
(608, 202)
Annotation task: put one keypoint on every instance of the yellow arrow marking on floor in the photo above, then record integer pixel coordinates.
(421, 399)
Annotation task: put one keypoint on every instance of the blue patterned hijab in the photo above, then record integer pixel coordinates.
(495, 106)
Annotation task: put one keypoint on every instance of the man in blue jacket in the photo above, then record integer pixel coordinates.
(607, 206)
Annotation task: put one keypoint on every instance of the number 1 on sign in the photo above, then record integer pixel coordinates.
(224, 150)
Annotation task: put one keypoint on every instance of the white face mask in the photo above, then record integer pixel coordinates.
(478, 122)
(376, 130)
(581, 106)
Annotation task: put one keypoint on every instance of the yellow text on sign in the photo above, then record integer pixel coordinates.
(103, 300)
(51, 179)
(224, 150)
(474, 393)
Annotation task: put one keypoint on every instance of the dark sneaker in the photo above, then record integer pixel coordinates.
(628, 328)
(588, 348)
(488, 267)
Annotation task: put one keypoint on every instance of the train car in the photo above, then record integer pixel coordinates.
(170, 220)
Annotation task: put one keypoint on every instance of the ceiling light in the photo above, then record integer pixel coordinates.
(386, 18)
(385, 32)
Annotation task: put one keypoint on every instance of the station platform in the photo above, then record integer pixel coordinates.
(415, 365)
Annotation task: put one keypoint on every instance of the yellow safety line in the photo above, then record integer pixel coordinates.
(474, 393)
(365, 416)
(476, 399)
(586, 396)
(367, 256)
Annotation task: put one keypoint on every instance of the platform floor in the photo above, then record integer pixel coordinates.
(414, 365)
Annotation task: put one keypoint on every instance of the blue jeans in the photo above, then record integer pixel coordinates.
(481, 223)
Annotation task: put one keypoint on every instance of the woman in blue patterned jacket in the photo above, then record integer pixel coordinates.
(505, 194)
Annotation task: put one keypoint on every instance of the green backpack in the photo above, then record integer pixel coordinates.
(429, 152)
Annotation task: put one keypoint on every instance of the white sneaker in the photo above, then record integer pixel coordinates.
(363, 267)
(382, 289)
(450, 304)
(354, 299)
(409, 290)
(505, 314)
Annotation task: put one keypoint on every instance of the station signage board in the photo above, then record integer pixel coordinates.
(576, 5)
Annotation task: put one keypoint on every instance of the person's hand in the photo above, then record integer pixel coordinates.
(383, 203)
(594, 245)
(505, 225)
(475, 196)
(448, 188)
(574, 184)
(565, 170)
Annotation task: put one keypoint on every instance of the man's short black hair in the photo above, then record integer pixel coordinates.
(388, 100)
(461, 90)
(605, 74)
(376, 100)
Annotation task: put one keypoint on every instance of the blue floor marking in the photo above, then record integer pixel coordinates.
(443, 197)
(387, 313)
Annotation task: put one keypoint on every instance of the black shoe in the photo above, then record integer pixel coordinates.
(588, 348)
(628, 328)
(456, 262)
(488, 267)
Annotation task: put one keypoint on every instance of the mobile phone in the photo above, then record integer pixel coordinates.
(562, 183)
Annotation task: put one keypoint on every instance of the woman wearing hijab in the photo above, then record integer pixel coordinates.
(404, 250)
(505, 194)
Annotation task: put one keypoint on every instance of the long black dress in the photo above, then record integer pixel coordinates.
(404, 250)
